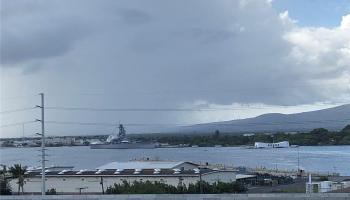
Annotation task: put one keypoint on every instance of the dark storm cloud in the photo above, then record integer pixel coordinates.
(33, 30)
(134, 17)
(43, 42)
(198, 49)
(163, 53)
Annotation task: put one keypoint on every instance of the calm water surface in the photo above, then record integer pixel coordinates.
(319, 159)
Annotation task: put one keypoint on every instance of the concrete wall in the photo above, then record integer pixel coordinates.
(334, 196)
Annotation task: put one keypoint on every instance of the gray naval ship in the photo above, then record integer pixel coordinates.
(120, 141)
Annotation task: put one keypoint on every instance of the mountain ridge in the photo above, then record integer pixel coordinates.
(334, 118)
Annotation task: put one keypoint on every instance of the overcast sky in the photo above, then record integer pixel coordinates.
(251, 55)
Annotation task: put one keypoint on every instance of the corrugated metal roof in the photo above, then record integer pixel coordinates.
(126, 172)
(144, 165)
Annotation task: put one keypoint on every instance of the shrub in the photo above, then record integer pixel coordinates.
(51, 191)
(162, 188)
(5, 188)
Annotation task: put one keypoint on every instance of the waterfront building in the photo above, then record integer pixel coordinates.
(69, 181)
(326, 186)
(149, 164)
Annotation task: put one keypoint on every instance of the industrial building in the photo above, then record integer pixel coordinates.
(68, 181)
(326, 186)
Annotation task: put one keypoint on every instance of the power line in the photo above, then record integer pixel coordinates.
(109, 124)
(17, 97)
(189, 90)
(140, 109)
(158, 109)
(17, 124)
(16, 110)
(179, 124)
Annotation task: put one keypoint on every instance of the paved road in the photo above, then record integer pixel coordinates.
(297, 186)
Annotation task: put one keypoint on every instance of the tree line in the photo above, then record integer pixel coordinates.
(201, 187)
(16, 171)
(319, 136)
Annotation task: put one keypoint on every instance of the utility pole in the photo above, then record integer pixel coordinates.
(43, 187)
(22, 131)
(103, 190)
(298, 160)
(200, 181)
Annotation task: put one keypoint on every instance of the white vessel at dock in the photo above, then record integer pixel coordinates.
(283, 144)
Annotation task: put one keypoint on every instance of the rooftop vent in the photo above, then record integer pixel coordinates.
(27, 172)
(177, 171)
(46, 171)
(99, 171)
(63, 171)
(137, 171)
(81, 171)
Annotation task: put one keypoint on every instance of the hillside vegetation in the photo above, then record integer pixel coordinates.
(316, 137)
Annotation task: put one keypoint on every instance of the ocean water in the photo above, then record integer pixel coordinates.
(325, 159)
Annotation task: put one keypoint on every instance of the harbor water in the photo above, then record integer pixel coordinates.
(322, 159)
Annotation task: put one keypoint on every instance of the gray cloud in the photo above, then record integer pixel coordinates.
(134, 17)
(36, 30)
(40, 44)
(165, 54)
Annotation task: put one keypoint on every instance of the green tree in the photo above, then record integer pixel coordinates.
(319, 131)
(17, 172)
(5, 188)
(216, 134)
(346, 129)
(51, 191)
(3, 171)
(139, 187)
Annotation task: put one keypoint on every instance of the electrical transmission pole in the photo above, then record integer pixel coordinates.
(298, 160)
(43, 188)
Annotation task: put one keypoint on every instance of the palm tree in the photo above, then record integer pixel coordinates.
(3, 171)
(5, 189)
(18, 171)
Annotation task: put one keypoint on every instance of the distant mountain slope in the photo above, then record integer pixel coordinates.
(332, 118)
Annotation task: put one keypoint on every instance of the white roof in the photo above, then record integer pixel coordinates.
(143, 165)
(243, 176)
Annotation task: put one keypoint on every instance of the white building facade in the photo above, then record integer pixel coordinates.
(92, 181)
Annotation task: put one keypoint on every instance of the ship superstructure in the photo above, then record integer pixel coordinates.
(120, 141)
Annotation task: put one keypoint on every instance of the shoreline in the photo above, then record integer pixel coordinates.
(182, 147)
